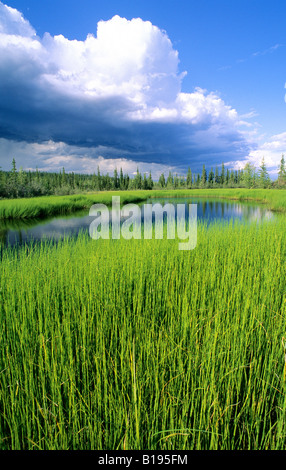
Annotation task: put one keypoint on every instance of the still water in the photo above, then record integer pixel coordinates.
(208, 210)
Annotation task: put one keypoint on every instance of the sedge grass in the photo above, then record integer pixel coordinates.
(133, 344)
(45, 206)
(274, 199)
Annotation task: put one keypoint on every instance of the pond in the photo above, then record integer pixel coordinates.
(208, 210)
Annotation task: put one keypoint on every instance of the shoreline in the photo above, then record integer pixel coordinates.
(44, 206)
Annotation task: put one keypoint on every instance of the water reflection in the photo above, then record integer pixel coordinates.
(208, 210)
(212, 210)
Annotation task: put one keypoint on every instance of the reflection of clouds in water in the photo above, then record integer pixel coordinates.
(59, 226)
(249, 213)
(54, 229)
(238, 210)
(261, 215)
(70, 223)
(208, 211)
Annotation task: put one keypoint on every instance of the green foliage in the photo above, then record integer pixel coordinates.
(170, 180)
(189, 178)
(138, 180)
(211, 178)
(118, 345)
(222, 176)
(150, 183)
(264, 179)
(162, 181)
(249, 176)
(46, 206)
(282, 172)
(216, 177)
(23, 184)
(204, 178)
(54, 205)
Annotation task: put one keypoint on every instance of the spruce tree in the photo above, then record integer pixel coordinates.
(115, 179)
(263, 178)
(121, 179)
(216, 177)
(170, 180)
(99, 183)
(13, 180)
(282, 172)
(189, 178)
(227, 178)
(162, 181)
(138, 180)
(211, 178)
(204, 177)
(176, 181)
(222, 176)
(248, 175)
(232, 177)
(150, 183)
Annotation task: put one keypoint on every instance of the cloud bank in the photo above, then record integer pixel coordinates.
(271, 150)
(116, 95)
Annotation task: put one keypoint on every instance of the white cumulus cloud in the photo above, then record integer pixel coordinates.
(13, 23)
(119, 89)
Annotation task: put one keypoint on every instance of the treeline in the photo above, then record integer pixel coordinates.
(248, 177)
(19, 183)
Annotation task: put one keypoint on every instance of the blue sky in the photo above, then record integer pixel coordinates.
(191, 83)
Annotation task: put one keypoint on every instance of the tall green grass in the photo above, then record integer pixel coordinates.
(47, 206)
(274, 199)
(133, 344)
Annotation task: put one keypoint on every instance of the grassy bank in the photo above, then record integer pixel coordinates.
(275, 199)
(136, 345)
(54, 205)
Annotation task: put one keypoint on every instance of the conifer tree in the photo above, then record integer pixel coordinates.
(121, 179)
(282, 172)
(222, 176)
(249, 175)
(227, 176)
(115, 179)
(204, 177)
(170, 180)
(162, 181)
(145, 182)
(189, 178)
(264, 180)
(211, 178)
(150, 183)
(216, 177)
(138, 180)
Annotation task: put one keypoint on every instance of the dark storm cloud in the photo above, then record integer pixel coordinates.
(52, 89)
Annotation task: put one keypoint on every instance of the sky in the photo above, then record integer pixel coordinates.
(158, 85)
